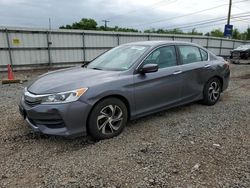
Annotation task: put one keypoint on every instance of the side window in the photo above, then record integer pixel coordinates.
(204, 55)
(164, 57)
(189, 54)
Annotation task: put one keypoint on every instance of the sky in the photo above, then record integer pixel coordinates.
(139, 14)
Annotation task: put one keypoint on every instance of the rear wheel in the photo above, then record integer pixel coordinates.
(107, 119)
(212, 91)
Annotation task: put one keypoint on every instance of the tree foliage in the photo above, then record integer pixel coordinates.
(215, 33)
(84, 23)
(91, 24)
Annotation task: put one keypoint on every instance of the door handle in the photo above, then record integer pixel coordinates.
(207, 65)
(177, 72)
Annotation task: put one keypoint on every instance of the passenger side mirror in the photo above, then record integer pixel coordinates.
(149, 68)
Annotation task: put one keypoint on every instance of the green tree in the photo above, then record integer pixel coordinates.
(175, 31)
(216, 33)
(247, 33)
(194, 32)
(91, 24)
(85, 23)
(236, 34)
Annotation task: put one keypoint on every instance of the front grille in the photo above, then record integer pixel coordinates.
(50, 123)
(33, 103)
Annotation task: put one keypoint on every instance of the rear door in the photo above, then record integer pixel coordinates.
(194, 69)
(157, 90)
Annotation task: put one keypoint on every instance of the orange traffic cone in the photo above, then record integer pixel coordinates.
(10, 73)
(11, 79)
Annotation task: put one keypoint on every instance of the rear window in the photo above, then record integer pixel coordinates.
(190, 54)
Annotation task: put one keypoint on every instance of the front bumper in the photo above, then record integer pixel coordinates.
(67, 119)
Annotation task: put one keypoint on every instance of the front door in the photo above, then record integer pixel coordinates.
(160, 89)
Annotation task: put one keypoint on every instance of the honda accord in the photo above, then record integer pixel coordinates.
(125, 83)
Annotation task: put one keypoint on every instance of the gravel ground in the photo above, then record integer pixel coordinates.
(188, 146)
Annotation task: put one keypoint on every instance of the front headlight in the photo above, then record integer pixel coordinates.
(63, 97)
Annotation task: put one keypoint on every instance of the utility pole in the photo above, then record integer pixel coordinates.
(105, 23)
(229, 12)
(49, 24)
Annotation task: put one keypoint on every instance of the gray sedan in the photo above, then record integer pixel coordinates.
(125, 83)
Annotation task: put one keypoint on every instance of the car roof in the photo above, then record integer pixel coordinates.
(159, 42)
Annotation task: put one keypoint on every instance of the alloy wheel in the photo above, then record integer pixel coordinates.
(214, 91)
(110, 119)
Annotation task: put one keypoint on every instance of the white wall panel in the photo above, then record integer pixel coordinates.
(225, 52)
(100, 40)
(22, 57)
(201, 42)
(216, 51)
(237, 44)
(127, 39)
(161, 38)
(65, 56)
(214, 42)
(35, 40)
(227, 44)
(91, 54)
(4, 57)
(66, 40)
(3, 40)
(182, 39)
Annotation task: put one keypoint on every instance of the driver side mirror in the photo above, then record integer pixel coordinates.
(149, 68)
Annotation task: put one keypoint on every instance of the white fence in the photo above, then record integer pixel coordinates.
(26, 47)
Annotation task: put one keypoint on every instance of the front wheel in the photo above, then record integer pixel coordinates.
(107, 119)
(211, 92)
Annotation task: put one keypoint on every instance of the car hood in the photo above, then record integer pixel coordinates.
(241, 48)
(70, 79)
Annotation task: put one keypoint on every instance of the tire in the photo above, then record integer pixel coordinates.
(211, 92)
(107, 119)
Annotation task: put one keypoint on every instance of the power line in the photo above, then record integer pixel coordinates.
(189, 14)
(136, 10)
(204, 22)
(195, 26)
(235, 6)
(215, 24)
(243, 20)
(172, 18)
(131, 11)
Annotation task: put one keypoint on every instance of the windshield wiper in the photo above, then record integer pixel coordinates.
(84, 64)
(95, 68)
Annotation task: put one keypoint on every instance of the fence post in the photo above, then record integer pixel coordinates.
(118, 39)
(220, 46)
(173, 37)
(48, 46)
(207, 42)
(9, 48)
(83, 45)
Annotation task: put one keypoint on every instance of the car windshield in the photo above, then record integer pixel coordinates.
(119, 58)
